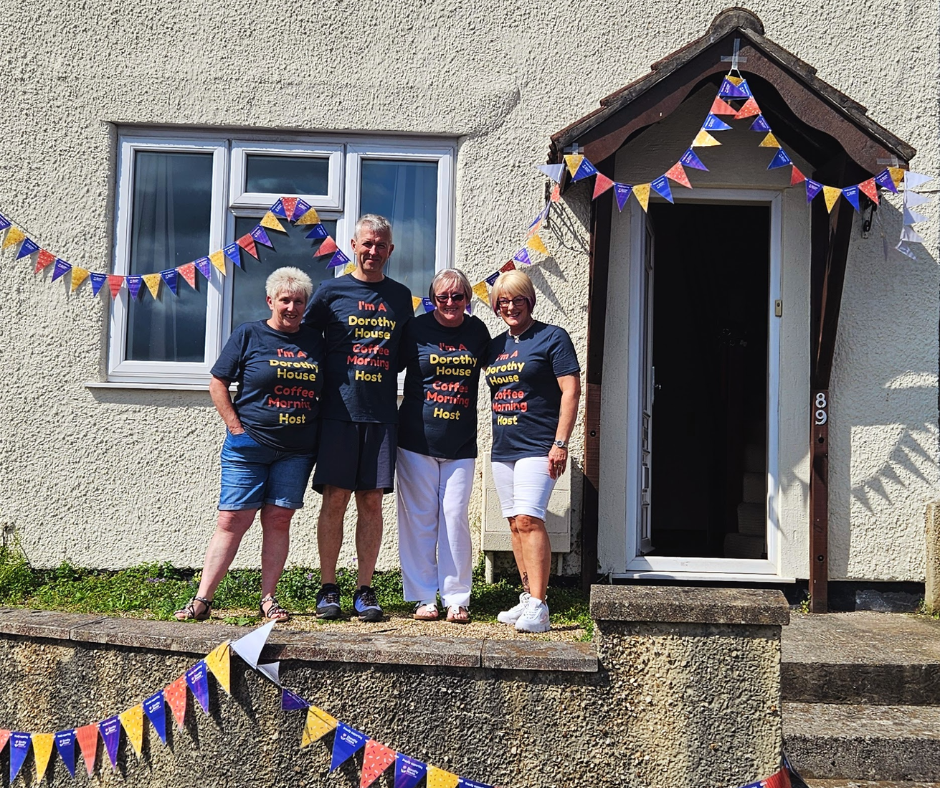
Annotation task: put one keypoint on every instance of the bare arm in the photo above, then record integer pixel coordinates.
(218, 390)
(570, 386)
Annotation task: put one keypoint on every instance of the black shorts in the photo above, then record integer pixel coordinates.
(356, 456)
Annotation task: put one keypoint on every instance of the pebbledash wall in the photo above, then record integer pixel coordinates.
(112, 476)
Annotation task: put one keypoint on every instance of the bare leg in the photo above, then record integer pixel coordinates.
(275, 542)
(368, 532)
(518, 554)
(536, 552)
(223, 546)
(330, 529)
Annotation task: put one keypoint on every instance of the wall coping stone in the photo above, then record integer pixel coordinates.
(680, 605)
(378, 649)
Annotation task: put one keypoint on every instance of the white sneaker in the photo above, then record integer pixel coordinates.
(512, 615)
(534, 618)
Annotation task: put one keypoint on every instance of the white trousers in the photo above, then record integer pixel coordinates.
(523, 486)
(433, 527)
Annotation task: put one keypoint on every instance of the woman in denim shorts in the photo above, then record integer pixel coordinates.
(271, 440)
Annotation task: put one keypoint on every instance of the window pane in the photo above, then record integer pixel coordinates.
(405, 192)
(291, 249)
(170, 227)
(287, 174)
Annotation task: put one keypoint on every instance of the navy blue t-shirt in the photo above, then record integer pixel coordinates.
(279, 379)
(526, 399)
(438, 413)
(362, 323)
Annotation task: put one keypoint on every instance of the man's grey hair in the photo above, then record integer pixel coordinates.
(376, 223)
(288, 280)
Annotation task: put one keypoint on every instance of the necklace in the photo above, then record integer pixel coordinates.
(515, 337)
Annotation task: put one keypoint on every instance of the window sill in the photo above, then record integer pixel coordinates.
(94, 384)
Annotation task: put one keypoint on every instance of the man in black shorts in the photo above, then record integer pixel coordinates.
(362, 315)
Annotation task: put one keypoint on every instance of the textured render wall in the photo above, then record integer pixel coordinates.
(115, 477)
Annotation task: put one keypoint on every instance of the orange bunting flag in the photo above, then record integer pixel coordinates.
(43, 259)
(556, 192)
(270, 221)
(601, 184)
(770, 141)
(831, 195)
(87, 737)
(677, 173)
(151, 280)
(175, 695)
(188, 272)
(703, 140)
(480, 291)
(573, 161)
(897, 175)
(133, 722)
(317, 725)
(247, 243)
(79, 275)
(750, 108)
(217, 259)
(536, 244)
(4, 738)
(42, 749)
(327, 247)
(376, 760)
(14, 236)
(115, 283)
(310, 217)
(869, 189)
(721, 107)
(798, 177)
(218, 661)
(642, 193)
(438, 778)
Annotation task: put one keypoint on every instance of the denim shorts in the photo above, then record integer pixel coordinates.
(254, 474)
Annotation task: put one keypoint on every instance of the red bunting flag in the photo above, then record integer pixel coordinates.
(677, 173)
(796, 176)
(88, 742)
(289, 203)
(4, 738)
(780, 779)
(510, 266)
(175, 695)
(749, 109)
(327, 247)
(115, 283)
(870, 190)
(43, 259)
(601, 184)
(722, 107)
(188, 272)
(556, 192)
(247, 243)
(376, 760)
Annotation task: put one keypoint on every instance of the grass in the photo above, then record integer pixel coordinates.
(156, 590)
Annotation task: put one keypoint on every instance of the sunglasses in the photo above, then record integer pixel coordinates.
(443, 298)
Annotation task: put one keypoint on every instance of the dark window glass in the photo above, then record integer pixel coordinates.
(286, 174)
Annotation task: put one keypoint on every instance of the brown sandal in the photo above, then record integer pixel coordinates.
(458, 614)
(188, 611)
(425, 611)
(274, 612)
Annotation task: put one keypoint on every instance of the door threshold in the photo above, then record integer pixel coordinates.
(720, 577)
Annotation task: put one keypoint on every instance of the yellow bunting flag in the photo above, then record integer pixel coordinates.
(831, 194)
(415, 302)
(536, 244)
(481, 292)
(770, 141)
(703, 140)
(642, 193)
(42, 749)
(79, 275)
(270, 221)
(218, 662)
(573, 161)
(14, 236)
(310, 217)
(317, 725)
(216, 258)
(349, 268)
(133, 722)
(897, 175)
(438, 778)
(735, 80)
(151, 280)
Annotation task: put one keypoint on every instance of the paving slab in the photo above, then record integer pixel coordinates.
(680, 605)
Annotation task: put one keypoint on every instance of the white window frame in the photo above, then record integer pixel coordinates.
(314, 149)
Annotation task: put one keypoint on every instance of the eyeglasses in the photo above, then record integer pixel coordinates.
(443, 298)
(517, 302)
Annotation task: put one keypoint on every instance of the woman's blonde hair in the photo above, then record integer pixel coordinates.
(510, 284)
(455, 277)
(289, 280)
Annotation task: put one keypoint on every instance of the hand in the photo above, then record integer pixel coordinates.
(557, 460)
(237, 430)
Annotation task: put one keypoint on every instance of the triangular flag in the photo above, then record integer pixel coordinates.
(337, 259)
(415, 302)
(661, 187)
(910, 217)
(408, 771)
(491, 279)
(309, 217)
(622, 194)
(376, 759)
(172, 279)
(735, 80)
(760, 124)
(219, 662)
(87, 738)
(913, 198)
(730, 90)
(60, 269)
(290, 205)
(4, 738)
(261, 236)
(897, 175)
(715, 124)
(232, 253)
(42, 751)
(796, 176)
(151, 280)
(97, 282)
(744, 88)
(573, 161)
(29, 247)
(317, 231)
(198, 682)
(721, 107)
(291, 701)
(270, 221)
(188, 272)
(155, 710)
(910, 235)
(278, 209)
(749, 109)
(770, 141)
(831, 195)
(19, 748)
(428, 305)
(204, 266)
(347, 742)
(133, 722)
(43, 259)
(327, 247)
(316, 726)
(218, 260)
(301, 208)
(780, 159)
(14, 236)
(851, 194)
(480, 291)
(913, 179)
(271, 670)
(523, 256)
(601, 184)
(247, 243)
(65, 744)
(349, 268)
(115, 283)
(812, 189)
(556, 192)
(438, 778)
(585, 170)
(689, 159)
(905, 250)
(677, 173)
(464, 782)
(249, 647)
(642, 193)
(175, 695)
(79, 275)
(111, 734)
(134, 283)
(4, 222)
(704, 140)
(553, 171)
(870, 190)
(536, 244)
(885, 181)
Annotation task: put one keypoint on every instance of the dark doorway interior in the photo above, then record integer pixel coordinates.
(711, 302)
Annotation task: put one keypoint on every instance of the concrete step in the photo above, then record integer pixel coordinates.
(863, 742)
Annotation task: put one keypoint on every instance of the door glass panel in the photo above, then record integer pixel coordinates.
(286, 174)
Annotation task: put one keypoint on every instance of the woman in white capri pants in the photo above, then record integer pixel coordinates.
(437, 449)
(535, 383)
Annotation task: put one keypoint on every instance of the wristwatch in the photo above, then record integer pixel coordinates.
(561, 444)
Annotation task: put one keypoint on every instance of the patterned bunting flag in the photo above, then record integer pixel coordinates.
(111, 734)
(79, 275)
(218, 260)
(704, 140)
(885, 181)
(29, 247)
(622, 194)
(14, 236)
(377, 759)
(115, 283)
(897, 175)
(572, 162)
(760, 124)
(522, 256)
(408, 771)
(796, 176)
(509, 265)
(349, 268)
(642, 193)
(300, 208)
(337, 259)
(770, 141)
(155, 710)
(19, 748)
(87, 737)
(831, 195)
(175, 695)
(415, 302)
(291, 701)
(261, 236)
(219, 662)
(134, 283)
(467, 783)
(780, 159)
(812, 189)
(151, 280)
(585, 170)
(198, 682)
(188, 272)
(729, 90)
(316, 726)
(677, 173)
(851, 194)
(327, 247)
(42, 751)
(132, 721)
(553, 171)
(232, 253)
(171, 278)
(870, 190)
(715, 124)
(278, 209)
(749, 109)
(556, 192)
(318, 231)
(601, 184)
(290, 205)
(65, 745)
(43, 259)
(661, 187)
(4, 738)
(309, 217)
(97, 282)
(438, 778)
(480, 291)
(346, 743)
(721, 107)
(61, 269)
(270, 221)
(536, 244)
(689, 159)
(247, 243)
(204, 266)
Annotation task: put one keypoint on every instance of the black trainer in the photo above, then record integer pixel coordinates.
(366, 605)
(328, 606)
